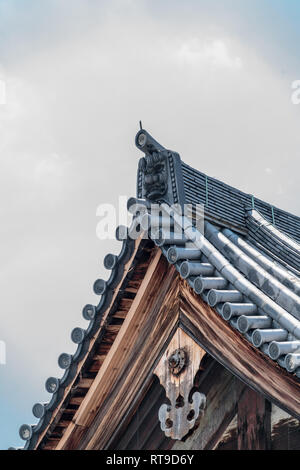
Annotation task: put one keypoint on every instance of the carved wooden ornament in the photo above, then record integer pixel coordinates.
(176, 371)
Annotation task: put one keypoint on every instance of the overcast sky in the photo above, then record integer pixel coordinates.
(209, 79)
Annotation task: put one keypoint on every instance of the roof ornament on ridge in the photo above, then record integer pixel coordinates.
(159, 172)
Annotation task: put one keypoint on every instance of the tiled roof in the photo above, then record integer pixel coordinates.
(246, 263)
(275, 243)
(224, 203)
(257, 297)
(245, 266)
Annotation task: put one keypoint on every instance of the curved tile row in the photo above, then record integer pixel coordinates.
(215, 278)
(253, 271)
(288, 241)
(287, 278)
(81, 337)
(263, 232)
(261, 246)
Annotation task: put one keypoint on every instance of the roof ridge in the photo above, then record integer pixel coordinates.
(239, 191)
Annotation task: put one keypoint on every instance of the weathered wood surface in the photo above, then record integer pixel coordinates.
(232, 350)
(228, 440)
(223, 391)
(162, 301)
(174, 417)
(253, 422)
(129, 364)
(284, 432)
(141, 422)
(286, 435)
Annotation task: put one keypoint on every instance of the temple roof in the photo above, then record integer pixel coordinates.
(232, 207)
(245, 264)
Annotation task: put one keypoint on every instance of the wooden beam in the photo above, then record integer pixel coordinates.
(254, 421)
(284, 432)
(143, 411)
(84, 383)
(127, 268)
(128, 366)
(223, 391)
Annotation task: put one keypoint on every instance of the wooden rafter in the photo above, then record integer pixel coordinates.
(154, 314)
(85, 383)
(254, 421)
